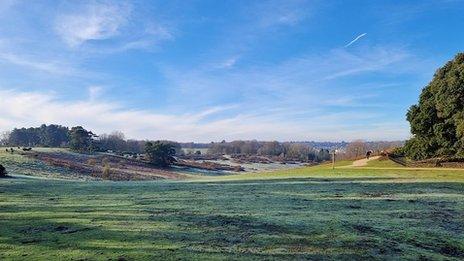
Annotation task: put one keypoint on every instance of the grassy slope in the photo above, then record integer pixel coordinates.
(343, 170)
(383, 163)
(26, 166)
(319, 213)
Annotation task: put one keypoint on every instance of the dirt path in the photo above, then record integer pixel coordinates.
(363, 162)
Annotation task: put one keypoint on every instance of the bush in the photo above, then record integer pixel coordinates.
(106, 171)
(92, 162)
(3, 171)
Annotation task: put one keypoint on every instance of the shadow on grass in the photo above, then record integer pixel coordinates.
(326, 220)
(299, 180)
(226, 237)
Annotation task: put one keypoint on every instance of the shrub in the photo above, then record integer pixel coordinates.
(106, 171)
(92, 162)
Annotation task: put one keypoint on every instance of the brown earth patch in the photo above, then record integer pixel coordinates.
(94, 165)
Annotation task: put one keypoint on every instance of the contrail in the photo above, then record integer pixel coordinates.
(356, 39)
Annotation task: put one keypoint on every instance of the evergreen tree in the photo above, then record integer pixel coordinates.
(160, 154)
(437, 121)
(80, 139)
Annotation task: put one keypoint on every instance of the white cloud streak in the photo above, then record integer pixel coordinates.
(356, 39)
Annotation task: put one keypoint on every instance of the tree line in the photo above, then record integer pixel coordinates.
(285, 150)
(159, 153)
(79, 139)
(76, 138)
(47, 136)
(303, 151)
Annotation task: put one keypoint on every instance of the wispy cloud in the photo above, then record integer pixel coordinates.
(291, 80)
(281, 13)
(94, 22)
(52, 67)
(297, 91)
(228, 63)
(94, 92)
(32, 108)
(356, 39)
(268, 58)
(109, 27)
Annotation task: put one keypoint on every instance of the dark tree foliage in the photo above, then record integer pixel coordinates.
(175, 145)
(25, 137)
(2, 171)
(81, 139)
(159, 153)
(323, 155)
(53, 135)
(46, 136)
(437, 121)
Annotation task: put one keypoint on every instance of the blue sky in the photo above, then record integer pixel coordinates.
(212, 70)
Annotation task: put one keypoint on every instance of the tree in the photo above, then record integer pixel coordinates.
(115, 141)
(80, 139)
(323, 155)
(437, 121)
(175, 145)
(135, 146)
(297, 151)
(3, 171)
(53, 135)
(24, 137)
(356, 149)
(272, 148)
(160, 154)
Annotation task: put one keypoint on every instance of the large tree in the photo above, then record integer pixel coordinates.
(53, 135)
(437, 121)
(81, 139)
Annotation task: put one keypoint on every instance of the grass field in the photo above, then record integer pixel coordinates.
(372, 212)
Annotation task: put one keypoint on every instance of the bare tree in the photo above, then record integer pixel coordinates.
(356, 149)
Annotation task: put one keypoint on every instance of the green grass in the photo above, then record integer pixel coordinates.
(20, 165)
(383, 163)
(306, 213)
(345, 171)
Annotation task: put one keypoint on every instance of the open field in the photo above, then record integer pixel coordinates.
(304, 213)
